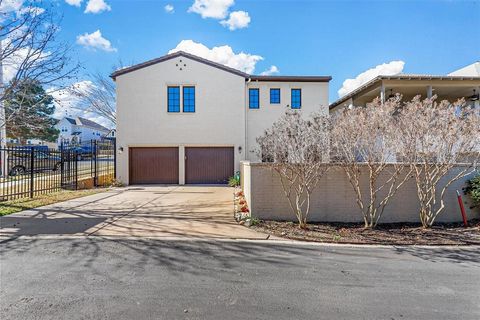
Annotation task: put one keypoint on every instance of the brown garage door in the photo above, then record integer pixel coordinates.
(208, 164)
(153, 165)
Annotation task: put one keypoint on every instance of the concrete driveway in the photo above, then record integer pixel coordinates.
(140, 211)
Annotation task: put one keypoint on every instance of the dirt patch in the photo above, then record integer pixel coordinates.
(387, 234)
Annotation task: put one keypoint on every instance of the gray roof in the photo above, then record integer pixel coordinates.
(71, 120)
(247, 76)
(91, 124)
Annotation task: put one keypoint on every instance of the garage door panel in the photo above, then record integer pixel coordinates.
(154, 165)
(208, 165)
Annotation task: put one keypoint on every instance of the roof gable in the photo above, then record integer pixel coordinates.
(247, 76)
(175, 55)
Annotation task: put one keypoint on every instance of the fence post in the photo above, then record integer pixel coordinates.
(32, 164)
(95, 178)
(62, 169)
(76, 169)
(115, 158)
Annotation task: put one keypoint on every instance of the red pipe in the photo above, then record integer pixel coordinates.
(462, 209)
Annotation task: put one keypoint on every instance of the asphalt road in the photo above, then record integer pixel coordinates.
(93, 278)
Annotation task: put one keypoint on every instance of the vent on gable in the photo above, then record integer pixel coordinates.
(180, 65)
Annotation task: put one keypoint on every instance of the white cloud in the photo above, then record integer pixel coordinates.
(385, 69)
(169, 8)
(272, 70)
(75, 3)
(12, 62)
(217, 9)
(67, 104)
(224, 55)
(97, 6)
(10, 5)
(236, 20)
(95, 40)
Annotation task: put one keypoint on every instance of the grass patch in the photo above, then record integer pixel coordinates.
(12, 206)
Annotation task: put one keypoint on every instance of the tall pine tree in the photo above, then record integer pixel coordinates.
(29, 111)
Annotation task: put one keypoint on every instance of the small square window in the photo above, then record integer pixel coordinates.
(275, 96)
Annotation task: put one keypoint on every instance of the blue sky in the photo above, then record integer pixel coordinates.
(337, 38)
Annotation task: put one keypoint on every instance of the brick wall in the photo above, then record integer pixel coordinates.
(334, 199)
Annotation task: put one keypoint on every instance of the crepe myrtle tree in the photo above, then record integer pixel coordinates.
(365, 145)
(297, 148)
(440, 141)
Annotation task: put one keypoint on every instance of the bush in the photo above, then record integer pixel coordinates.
(473, 190)
(234, 181)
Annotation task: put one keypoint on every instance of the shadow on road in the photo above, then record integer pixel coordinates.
(440, 254)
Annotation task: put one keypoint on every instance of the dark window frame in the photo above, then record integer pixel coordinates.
(257, 105)
(168, 100)
(190, 99)
(292, 105)
(276, 95)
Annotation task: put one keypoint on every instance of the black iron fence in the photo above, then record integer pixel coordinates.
(27, 171)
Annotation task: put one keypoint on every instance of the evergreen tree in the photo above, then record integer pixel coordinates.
(29, 109)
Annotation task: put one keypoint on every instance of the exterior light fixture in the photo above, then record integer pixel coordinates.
(475, 96)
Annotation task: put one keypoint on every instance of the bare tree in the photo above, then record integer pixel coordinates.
(29, 50)
(297, 148)
(98, 97)
(440, 141)
(365, 144)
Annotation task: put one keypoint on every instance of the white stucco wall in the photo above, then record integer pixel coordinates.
(143, 120)
(314, 99)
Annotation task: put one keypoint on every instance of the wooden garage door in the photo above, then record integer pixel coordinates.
(153, 165)
(208, 164)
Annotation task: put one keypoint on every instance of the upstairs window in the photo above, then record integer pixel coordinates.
(275, 96)
(173, 99)
(253, 98)
(188, 99)
(296, 98)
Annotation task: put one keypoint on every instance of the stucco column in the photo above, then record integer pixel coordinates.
(429, 92)
(382, 92)
(181, 165)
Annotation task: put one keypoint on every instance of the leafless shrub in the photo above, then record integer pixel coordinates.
(365, 144)
(99, 97)
(437, 138)
(297, 148)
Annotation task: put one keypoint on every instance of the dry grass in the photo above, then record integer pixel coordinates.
(388, 234)
(12, 206)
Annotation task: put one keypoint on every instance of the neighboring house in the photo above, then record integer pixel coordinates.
(464, 83)
(111, 134)
(184, 119)
(76, 130)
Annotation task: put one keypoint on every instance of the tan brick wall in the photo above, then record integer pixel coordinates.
(334, 199)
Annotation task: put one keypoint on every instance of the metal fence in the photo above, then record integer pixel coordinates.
(27, 171)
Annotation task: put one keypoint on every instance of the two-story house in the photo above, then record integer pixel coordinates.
(76, 130)
(184, 119)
